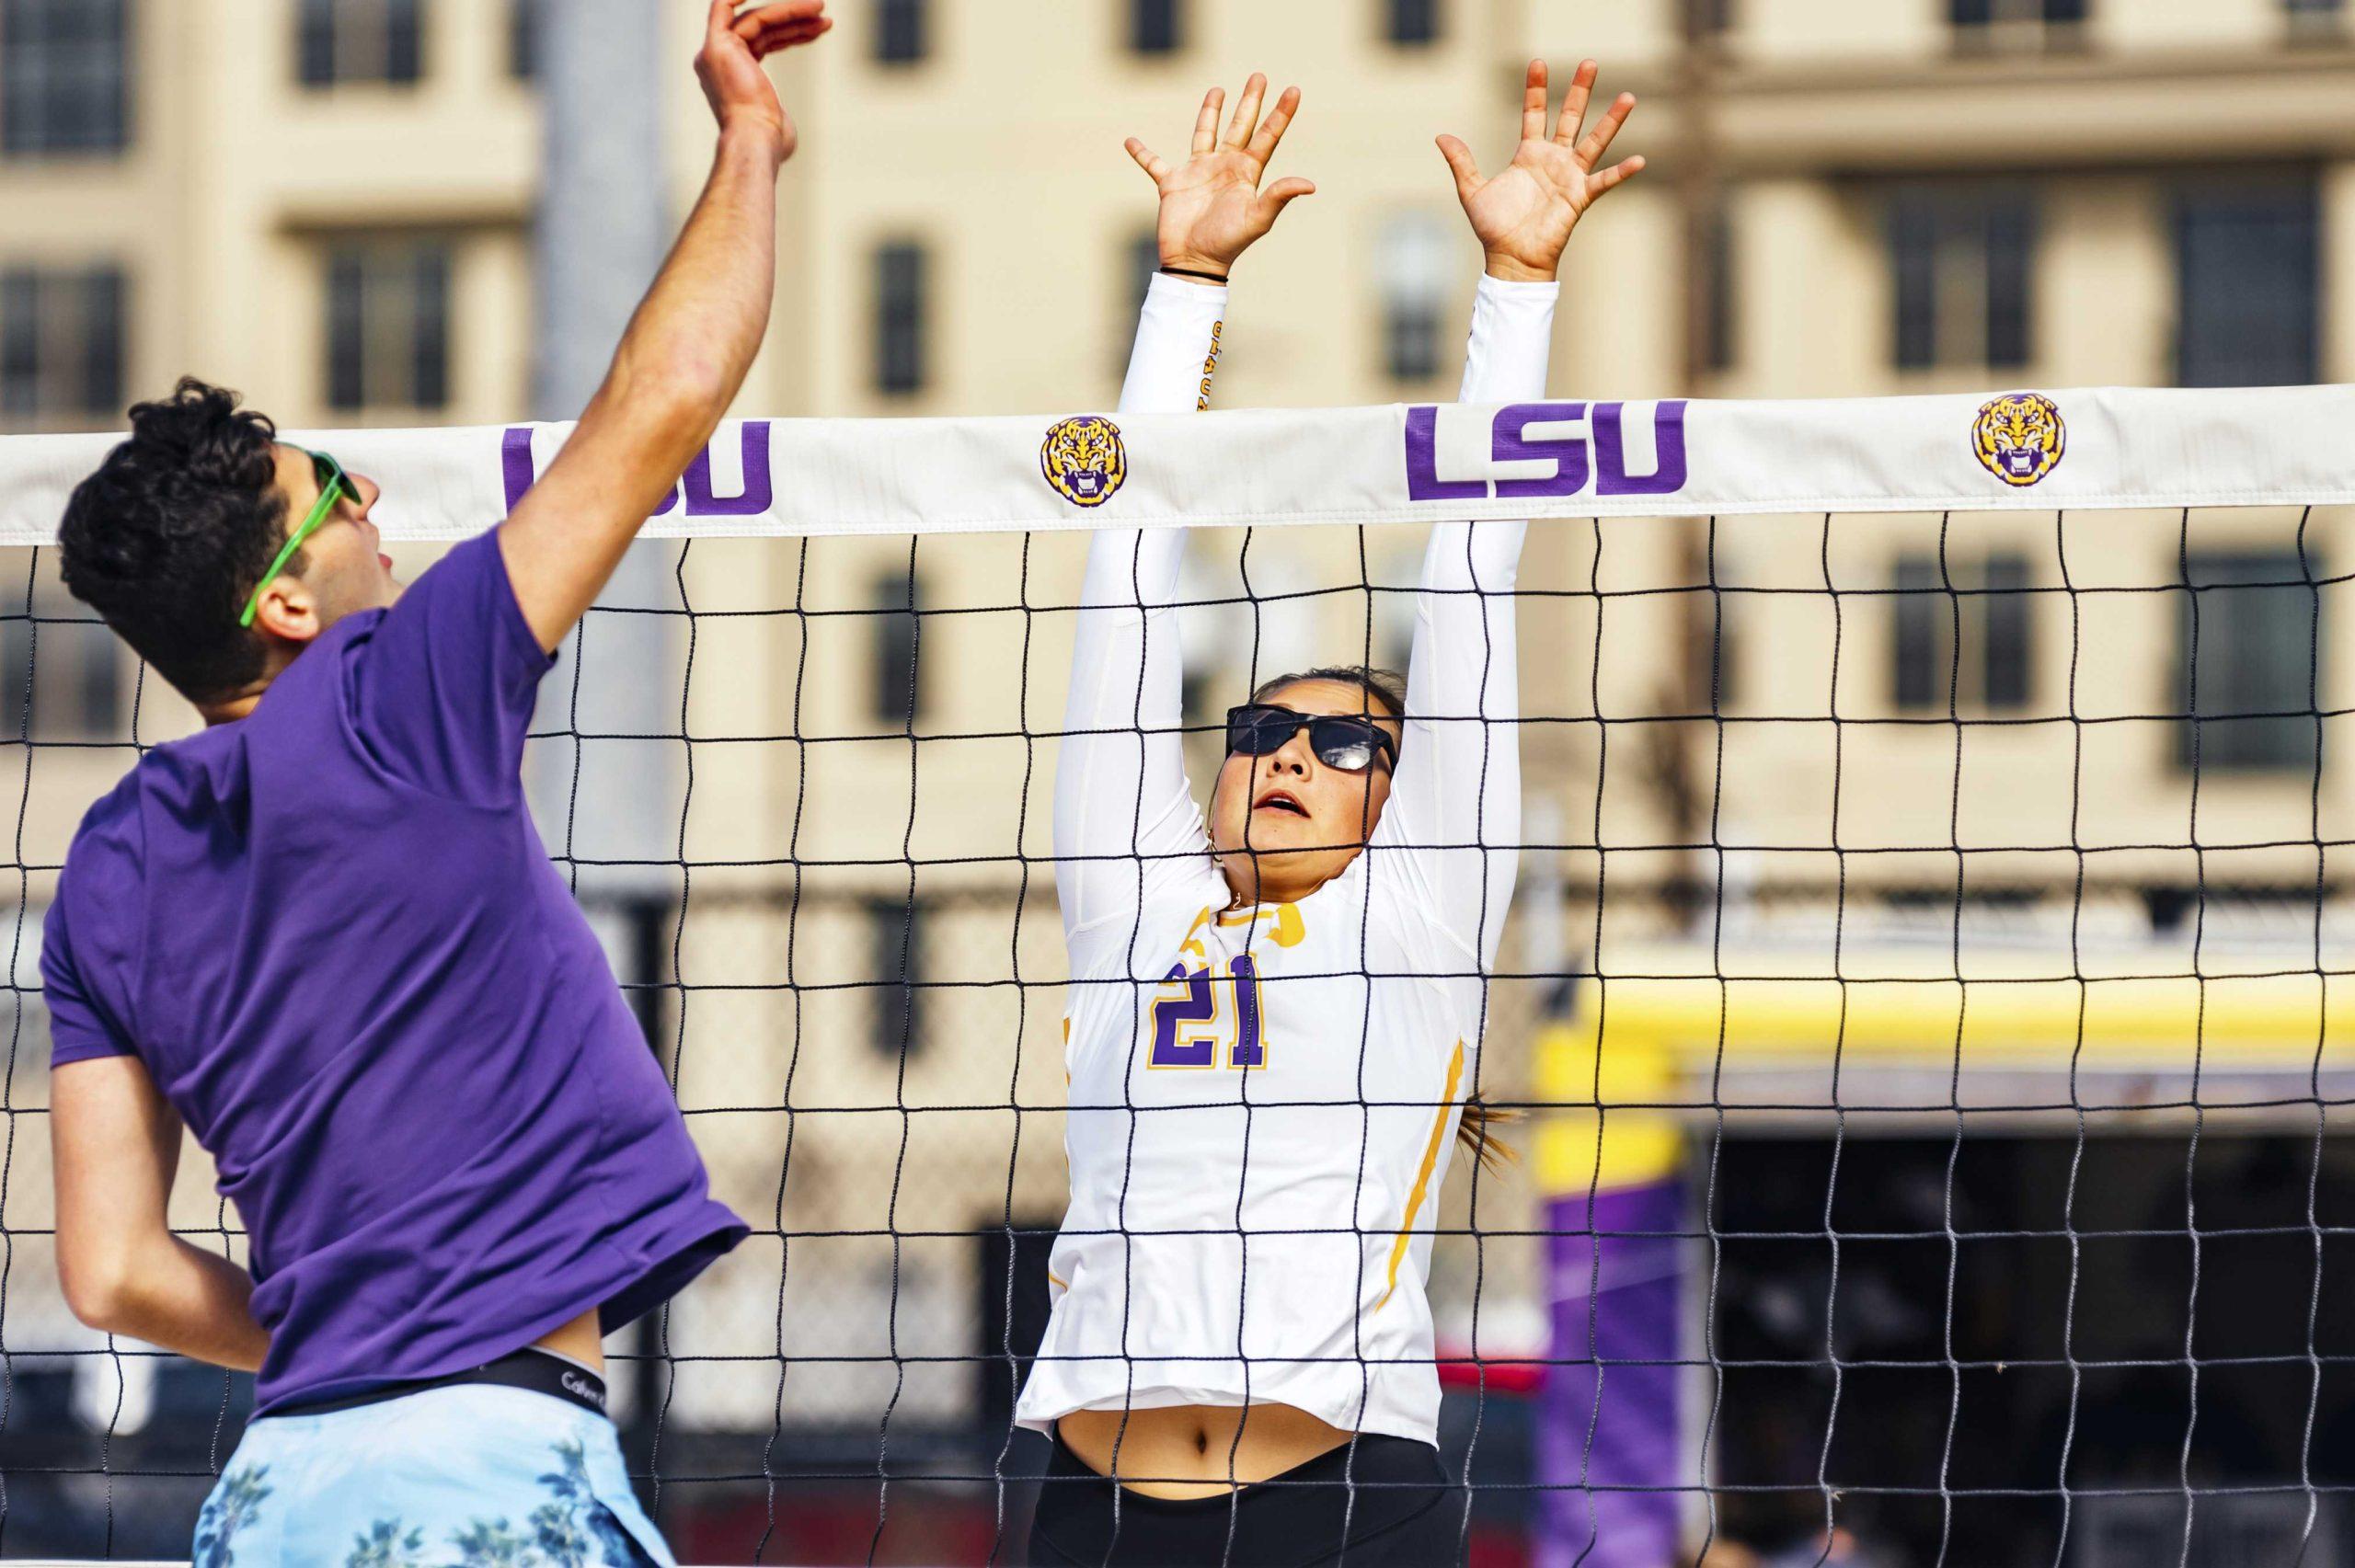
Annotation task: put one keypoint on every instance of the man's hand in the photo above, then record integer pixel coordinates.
(1525, 215)
(1212, 208)
(729, 64)
(688, 348)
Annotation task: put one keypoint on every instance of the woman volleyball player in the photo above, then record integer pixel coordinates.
(1273, 1020)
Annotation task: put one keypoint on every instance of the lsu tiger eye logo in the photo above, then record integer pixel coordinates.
(2019, 437)
(1083, 459)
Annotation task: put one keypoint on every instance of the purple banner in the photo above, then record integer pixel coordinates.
(1616, 1298)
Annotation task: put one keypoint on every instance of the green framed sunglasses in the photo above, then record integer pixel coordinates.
(332, 484)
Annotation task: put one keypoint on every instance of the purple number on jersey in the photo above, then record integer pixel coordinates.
(1197, 1006)
(1247, 1052)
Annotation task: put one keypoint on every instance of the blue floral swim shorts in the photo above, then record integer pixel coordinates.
(450, 1476)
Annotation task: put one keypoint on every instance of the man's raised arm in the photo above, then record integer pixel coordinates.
(687, 348)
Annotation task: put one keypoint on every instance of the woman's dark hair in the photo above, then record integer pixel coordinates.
(1385, 686)
(1477, 1129)
(1478, 1132)
(170, 534)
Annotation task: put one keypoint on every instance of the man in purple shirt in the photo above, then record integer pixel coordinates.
(323, 935)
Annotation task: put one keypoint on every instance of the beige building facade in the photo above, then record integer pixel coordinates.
(329, 204)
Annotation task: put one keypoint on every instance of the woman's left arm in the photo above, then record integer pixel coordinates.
(1455, 808)
(1456, 798)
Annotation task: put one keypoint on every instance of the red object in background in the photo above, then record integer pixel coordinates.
(837, 1526)
(1459, 1368)
(1497, 1548)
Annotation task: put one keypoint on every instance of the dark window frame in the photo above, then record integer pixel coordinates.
(1140, 259)
(896, 943)
(1413, 24)
(423, 269)
(1993, 601)
(896, 698)
(76, 318)
(527, 39)
(71, 661)
(2257, 320)
(1413, 299)
(66, 78)
(2050, 24)
(902, 317)
(1719, 310)
(1157, 27)
(2262, 641)
(323, 47)
(1940, 236)
(902, 32)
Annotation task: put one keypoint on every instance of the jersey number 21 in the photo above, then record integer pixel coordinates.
(1193, 1020)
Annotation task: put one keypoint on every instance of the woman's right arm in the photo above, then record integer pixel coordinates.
(1124, 815)
(1125, 819)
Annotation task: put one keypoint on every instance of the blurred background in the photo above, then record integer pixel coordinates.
(1963, 1188)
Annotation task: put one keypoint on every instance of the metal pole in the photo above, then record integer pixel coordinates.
(603, 226)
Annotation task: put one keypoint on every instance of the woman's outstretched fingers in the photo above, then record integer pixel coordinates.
(1271, 130)
(786, 35)
(1277, 197)
(1624, 169)
(1574, 102)
(1598, 140)
(750, 24)
(1206, 123)
(1460, 160)
(1147, 160)
(1246, 112)
(1533, 103)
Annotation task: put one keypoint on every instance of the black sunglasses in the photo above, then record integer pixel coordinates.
(1340, 740)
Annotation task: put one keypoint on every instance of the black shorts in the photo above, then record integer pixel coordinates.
(1398, 1505)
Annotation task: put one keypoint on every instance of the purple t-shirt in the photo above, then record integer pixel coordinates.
(331, 934)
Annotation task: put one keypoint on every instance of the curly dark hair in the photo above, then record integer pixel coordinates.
(170, 534)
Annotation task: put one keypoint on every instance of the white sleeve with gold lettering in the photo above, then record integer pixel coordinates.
(1126, 825)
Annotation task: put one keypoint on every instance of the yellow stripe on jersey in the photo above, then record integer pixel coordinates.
(1423, 1176)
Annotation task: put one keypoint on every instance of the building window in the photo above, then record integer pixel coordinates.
(1140, 259)
(1156, 27)
(526, 35)
(60, 347)
(1410, 22)
(64, 77)
(2252, 704)
(899, 32)
(360, 40)
(899, 317)
(1714, 309)
(1707, 21)
(388, 324)
(895, 945)
(1415, 270)
(898, 690)
(2316, 20)
(1991, 600)
(1960, 262)
(2247, 264)
(56, 652)
(2017, 24)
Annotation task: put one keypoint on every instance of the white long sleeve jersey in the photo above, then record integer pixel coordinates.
(1264, 1101)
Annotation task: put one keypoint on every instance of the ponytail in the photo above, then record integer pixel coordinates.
(1478, 1132)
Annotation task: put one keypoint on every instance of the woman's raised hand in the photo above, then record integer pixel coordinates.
(1525, 215)
(1212, 206)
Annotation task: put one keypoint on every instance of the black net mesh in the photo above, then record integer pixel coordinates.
(1915, 1005)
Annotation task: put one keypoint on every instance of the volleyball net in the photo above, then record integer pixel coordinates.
(1921, 998)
